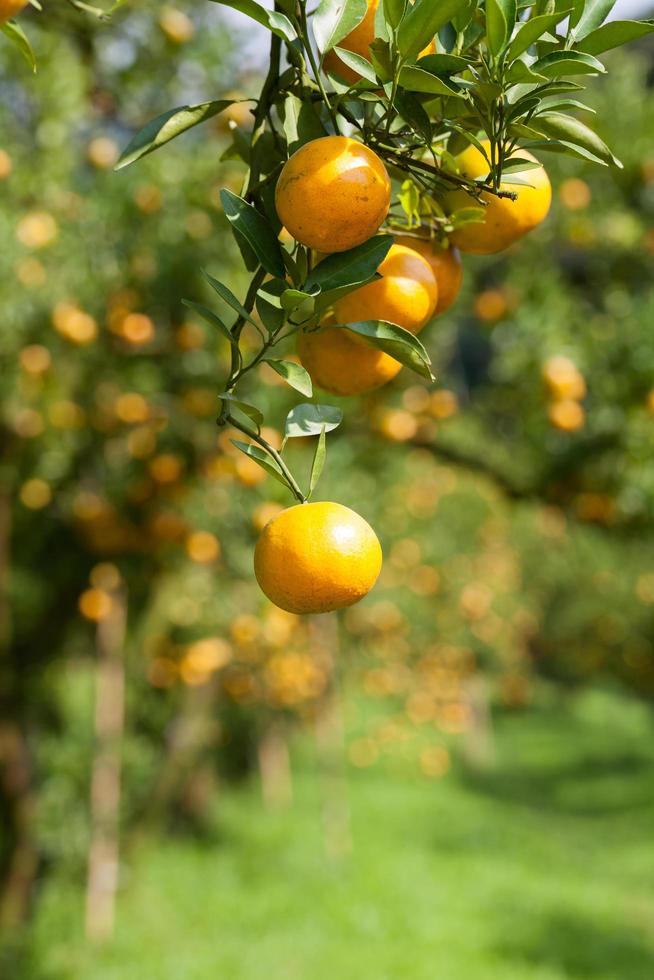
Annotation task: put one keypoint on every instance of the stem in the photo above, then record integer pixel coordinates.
(235, 367)
(404, 163)
(256, 437)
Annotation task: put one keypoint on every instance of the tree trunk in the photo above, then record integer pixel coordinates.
(275, 767)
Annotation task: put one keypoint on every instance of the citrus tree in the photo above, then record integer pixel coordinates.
(378, 120)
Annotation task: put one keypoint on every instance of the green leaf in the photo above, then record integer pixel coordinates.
(443, 64)
(409, 198)
(19, 39)
(423, 21)
(318, 464)
(594, 13)
(250, 225)
(309, 420)
(571, 130)
(352, 268)
(250, 410)
(265, 461)
(166, 127)
(293, 374)
(521, 72)
(276, 22)
(334, 20)
(394, 11)
(357, 63)
(411, 110)
(500, 20)
(613, 34)
(301, 123)
(272, 316)
(298, 304)
(529, 32)
(467, 216)
(227, 295)
(462, 19)
(555, 105)
(211, 318)
(558, 63)
(416, 80)
(396, 341)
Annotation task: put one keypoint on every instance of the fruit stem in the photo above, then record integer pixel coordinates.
(256, 437)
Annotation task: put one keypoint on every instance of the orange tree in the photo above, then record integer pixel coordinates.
(374, 119)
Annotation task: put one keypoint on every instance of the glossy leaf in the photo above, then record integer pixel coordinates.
(613, 34)
(310, 420)
(301, 123)
(500, 20)
(19, 39)
(571, 130)
(260, 456)
(394, 11)
(593, 14)
(227, 295)
(211, 318)
(272, 316)
(442, 64)
(251, 411)
(273, 20)
(351, 268)
(396, 341)
(294, 375)
(416, 80)
(357, 63)
(318, 464)
(334, 20)
(423, 21)
(166, 127)
(250, 225)
(529, 32)
(558, 63)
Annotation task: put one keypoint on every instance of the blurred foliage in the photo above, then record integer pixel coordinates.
(513, 501)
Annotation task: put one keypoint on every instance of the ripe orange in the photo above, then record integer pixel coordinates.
(505, 221)
(406, 294)
(313, 558)
(342, 363)
(359, 41)
(445, 264)
(339, 362)
(333, 194)
(563, 379)
(9, 9)
(566, 415)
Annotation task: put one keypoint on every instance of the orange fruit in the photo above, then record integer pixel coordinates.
(333, 194)
(340, 362)
(575, 194)
(563, 379)
(176, 25)
(343, 363)
(566, 415)
(359, 41)
(9, 9)
(313, 558)
(406, 294)
(505, 221)
(445, 264)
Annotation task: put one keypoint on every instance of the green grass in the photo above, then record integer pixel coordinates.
(538, 870)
